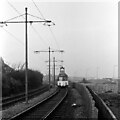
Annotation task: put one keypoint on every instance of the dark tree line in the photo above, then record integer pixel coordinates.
(14, 82)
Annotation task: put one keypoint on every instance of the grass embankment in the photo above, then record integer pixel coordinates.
(112, 100)
(87, 103)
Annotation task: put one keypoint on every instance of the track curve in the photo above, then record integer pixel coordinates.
(43, 109)
(21, 97)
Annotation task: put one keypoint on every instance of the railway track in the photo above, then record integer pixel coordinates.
(44, 109)
(18, 98)
(65, 111)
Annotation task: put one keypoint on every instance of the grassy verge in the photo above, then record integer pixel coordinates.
(79, 109)
(88, 104)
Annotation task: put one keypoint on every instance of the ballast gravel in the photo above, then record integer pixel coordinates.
(19, 107)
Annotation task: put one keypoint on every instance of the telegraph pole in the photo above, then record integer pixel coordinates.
(114, 71)
(49, 51)
(26, 46)
(56, 61)
(97, 72)
(49, 69)
(54, 70)
(26, 60)
(54, 66)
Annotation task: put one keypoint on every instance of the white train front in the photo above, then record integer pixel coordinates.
(62, 80)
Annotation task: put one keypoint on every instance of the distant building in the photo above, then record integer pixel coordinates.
(110, 86)
(4, 68)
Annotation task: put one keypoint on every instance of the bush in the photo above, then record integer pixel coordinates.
(9, 86)
(14, 82)
(35, 79)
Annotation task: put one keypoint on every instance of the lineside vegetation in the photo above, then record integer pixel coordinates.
(14, 82)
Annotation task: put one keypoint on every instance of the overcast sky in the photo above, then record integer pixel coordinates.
(86, 31)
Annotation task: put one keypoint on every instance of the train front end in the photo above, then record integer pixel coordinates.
(62, 78)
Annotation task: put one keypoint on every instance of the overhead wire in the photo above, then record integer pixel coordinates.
(19, 14)
(48, 26)
(13, 36)
(36, 30)
(13, 7)
(33, 16)
(14, 18)
(54, 37)
(29, 15)
(36, 16)
(24, 18)
(39, 36)
(38, 9)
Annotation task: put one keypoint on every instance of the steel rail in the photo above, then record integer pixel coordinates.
(55, 107)
(52, 102)
(15, 117)
(20, 94)
(10, 101)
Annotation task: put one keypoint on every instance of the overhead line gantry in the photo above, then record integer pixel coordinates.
(49, 51)
(26, 44)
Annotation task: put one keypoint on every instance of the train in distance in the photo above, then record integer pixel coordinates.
(62, 80)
